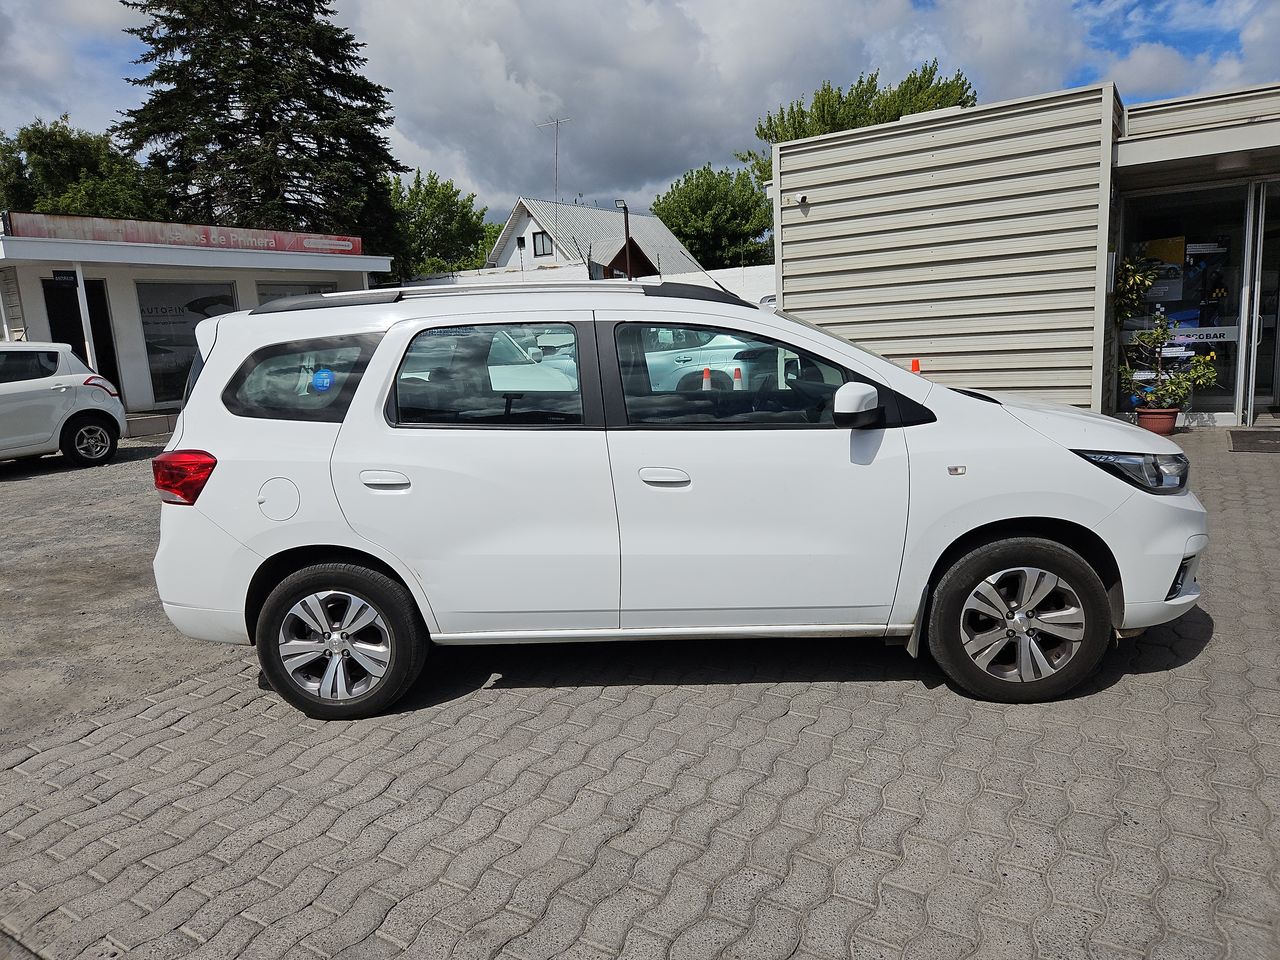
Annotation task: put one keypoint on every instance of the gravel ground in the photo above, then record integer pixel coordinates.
(82, 627)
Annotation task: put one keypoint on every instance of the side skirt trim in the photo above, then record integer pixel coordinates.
(674, 633)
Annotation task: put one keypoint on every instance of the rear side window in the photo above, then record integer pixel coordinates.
(515, 374)
(301, 380)
(18, 365)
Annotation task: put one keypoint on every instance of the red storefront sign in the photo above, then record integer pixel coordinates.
(57, 227)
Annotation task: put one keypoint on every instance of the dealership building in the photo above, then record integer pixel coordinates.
(127, 294)
(984, 241)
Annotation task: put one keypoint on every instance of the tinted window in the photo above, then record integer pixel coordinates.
(705, 375)
(519, 374)
(301, 380)
(16, 365)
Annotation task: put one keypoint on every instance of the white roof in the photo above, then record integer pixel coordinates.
(595, 232)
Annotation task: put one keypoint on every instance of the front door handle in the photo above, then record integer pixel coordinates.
(664, 477)
(384, 480)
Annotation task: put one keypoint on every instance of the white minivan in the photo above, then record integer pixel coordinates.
(356, 477)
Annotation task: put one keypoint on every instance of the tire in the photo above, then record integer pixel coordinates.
(389, 636)
(1028, 659)
(89, 440)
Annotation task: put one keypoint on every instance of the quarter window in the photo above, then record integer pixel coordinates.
(675, 375)
(18, 365)
(541, 244)
(503, 374)
(301, 380)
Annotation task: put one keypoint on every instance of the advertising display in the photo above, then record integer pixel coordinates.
(49, 226)
(170, 312)
(1167, 256)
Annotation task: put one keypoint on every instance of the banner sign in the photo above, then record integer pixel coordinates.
(58, 227)
(1190, 335)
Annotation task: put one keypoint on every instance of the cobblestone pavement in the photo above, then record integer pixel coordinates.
(701, 799)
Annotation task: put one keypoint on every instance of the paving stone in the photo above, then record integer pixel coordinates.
(677, 799)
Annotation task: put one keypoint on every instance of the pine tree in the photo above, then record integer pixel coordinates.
(257, 115)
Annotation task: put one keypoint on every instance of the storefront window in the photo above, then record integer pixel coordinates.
(170, 312)
(1196, 240)
(275, 290)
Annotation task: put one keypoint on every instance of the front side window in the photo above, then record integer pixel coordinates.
(18, 365)
(541, 244)
(516, 374)
(675, 375)
(300, 380)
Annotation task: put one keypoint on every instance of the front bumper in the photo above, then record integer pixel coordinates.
(1158, 543)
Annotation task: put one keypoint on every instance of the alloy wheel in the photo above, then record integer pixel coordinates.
(1022, 624)
(335, 645)
(92, 441)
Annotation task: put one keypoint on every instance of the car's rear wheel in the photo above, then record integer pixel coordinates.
(89, 441)
(340, 641)
(1019, 620)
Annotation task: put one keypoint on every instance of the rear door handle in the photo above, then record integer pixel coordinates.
(683, 359)
(664, 477)
(62, 387)
(384, 480)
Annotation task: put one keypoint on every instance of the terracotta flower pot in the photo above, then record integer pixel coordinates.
(1158, 420)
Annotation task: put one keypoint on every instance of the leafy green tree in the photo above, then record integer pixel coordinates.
(438, 229)
(722, 216)
(257, 115)
(865, 103)
(57, 168)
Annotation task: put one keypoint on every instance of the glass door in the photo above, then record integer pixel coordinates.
(1262, 396)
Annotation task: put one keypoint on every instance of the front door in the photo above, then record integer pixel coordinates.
(33, 399)
(739, 501)
(65, 326)
(486, 471)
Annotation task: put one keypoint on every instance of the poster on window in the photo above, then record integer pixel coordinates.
(1168, 256)
(170, 312)
(278, 290)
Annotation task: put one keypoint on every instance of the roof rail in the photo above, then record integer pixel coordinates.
(354, 298)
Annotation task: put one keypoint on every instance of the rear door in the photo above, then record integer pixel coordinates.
(486, 471)
(33, 398)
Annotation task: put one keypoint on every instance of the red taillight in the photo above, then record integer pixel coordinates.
(181, 474)
(101, 383)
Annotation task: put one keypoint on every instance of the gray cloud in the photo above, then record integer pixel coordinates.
(654, 87)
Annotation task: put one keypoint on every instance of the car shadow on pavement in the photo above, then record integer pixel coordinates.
(14, 470)
(453, 672)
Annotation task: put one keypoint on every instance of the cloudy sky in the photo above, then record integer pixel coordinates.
(654, 88)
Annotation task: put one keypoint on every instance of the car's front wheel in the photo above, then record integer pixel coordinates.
(340, 641)
(1020, 620)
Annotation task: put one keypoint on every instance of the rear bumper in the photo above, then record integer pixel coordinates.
(200, 623)
(202, 575)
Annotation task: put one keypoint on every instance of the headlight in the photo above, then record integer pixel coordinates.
(1154, 472)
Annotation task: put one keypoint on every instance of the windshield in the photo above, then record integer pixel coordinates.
(827, 333)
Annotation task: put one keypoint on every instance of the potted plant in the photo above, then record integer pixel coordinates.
(1158, 385)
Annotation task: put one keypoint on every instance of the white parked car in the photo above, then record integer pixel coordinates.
(358, 476)
(50, 401)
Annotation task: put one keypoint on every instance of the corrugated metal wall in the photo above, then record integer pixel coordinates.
(974, 240)
(1217, 110)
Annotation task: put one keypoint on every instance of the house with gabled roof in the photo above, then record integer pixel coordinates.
(543, 233)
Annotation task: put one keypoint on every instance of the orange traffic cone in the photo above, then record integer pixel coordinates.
(706, 378)
(915, 364)
(737, 378)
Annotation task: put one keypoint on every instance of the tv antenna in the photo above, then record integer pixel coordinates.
(555, 122)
